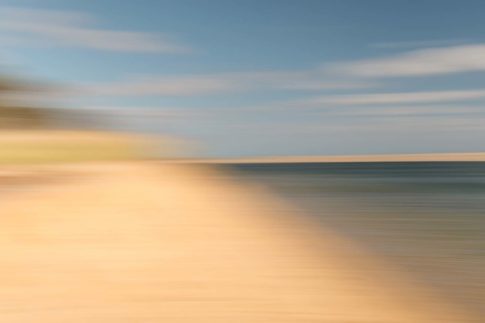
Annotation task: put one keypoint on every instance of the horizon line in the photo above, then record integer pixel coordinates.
(417, 157)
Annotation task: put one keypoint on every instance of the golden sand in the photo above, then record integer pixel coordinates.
(171, 243)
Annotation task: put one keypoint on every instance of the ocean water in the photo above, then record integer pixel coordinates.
(428, 218)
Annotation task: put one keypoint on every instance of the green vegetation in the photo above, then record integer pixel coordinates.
(33, 135)
(40, 147)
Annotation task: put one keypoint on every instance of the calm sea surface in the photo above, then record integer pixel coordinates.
(426, 217)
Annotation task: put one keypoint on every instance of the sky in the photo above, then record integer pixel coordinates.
(266, 77)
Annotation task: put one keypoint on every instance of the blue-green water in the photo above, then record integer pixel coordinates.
(426, 217)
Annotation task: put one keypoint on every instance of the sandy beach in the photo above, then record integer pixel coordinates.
(152, 242)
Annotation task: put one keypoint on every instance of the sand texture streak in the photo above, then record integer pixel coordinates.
(173, 243)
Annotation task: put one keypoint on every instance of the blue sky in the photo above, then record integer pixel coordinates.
(265, 77)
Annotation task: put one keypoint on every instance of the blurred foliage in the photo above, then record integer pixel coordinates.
(21, 117)
(27, 147)
(8, 83)
(24, 117)
(36, 135)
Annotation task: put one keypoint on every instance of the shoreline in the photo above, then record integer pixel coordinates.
(185, 243)
(435, 157)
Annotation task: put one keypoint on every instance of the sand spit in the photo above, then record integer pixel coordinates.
(438, 157)
(172, 243)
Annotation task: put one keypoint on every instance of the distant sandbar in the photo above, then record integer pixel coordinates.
(434, 157)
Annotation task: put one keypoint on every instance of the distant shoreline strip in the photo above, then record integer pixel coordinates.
(438, 157)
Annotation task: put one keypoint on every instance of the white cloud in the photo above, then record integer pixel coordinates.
(143, 111)
(174, 86)
(422, 62)
(193, 85)
(421, 43)
(311, 80)
(394, 98)
(73, 29)
(410, 111)
(204, 84)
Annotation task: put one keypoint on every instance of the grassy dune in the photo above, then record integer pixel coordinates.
(34, 147)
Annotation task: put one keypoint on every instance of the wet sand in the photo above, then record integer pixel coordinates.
(179, 243)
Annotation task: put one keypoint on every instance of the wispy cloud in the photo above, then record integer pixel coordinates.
(205, 84)
(411, 111)
(394, 98)
(65, 28)
(188, 85)
(421, 43)
(422, 62)
(163, 86)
